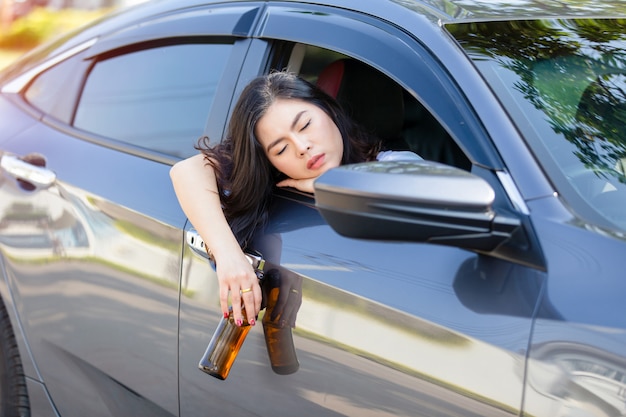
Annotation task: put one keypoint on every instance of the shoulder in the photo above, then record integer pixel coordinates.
(398, 156)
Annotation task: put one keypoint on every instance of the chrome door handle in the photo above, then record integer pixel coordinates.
(21, 169)
(195, 242)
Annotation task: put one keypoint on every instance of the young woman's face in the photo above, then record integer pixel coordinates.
(299, 139)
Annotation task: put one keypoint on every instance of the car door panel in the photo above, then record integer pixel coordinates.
(384, 328)
(93, 268)
(10, 117)
(466, 315)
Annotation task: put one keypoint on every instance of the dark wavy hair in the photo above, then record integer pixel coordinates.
(245, 175)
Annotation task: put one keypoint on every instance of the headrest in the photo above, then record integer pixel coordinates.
(368, 96)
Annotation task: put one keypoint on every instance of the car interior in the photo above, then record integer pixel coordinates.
(591, 111)
(600, 112)
(385, 109)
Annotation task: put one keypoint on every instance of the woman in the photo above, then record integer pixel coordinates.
(283, 132)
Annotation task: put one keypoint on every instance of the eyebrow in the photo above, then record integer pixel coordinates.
(293, 126)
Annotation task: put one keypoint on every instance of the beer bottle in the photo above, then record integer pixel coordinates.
(224, 346)
(228, 338)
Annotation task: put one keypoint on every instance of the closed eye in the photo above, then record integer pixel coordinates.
(282, 150)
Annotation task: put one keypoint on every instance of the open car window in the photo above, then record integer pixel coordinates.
(378, 103)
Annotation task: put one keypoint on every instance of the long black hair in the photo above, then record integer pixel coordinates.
(245, 175)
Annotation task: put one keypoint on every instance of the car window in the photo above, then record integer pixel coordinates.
(156, 98)
(378, 103)
(54, 91)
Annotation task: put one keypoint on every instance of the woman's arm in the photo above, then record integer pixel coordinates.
(196, 189)
(305, 185)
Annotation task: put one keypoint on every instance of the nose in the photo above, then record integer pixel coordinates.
(302, 145)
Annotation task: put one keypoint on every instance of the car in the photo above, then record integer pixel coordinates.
(485, 280)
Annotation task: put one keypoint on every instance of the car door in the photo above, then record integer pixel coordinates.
(383, 328)
(91, 234)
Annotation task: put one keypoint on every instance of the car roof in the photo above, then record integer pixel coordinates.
(447, 10)
(437, 11)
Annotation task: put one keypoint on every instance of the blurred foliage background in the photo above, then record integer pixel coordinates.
(41, 24)
(24, 24)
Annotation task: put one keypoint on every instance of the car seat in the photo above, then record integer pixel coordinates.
(369, 97)
(382, 107)
(427, 138)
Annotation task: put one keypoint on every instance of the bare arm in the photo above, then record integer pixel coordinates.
(196, 189)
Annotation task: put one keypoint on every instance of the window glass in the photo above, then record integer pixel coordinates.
(156, 98)
(54, 91)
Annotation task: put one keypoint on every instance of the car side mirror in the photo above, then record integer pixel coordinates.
(416, 201)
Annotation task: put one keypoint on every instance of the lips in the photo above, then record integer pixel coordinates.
(316, 161)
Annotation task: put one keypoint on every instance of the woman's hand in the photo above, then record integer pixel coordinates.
(196, 188)
(305, 185)
(236, 275)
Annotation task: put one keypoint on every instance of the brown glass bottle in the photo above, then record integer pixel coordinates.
(228, 338)
(224, 346)
(278, 336)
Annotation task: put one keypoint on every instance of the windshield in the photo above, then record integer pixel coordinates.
(564, 84)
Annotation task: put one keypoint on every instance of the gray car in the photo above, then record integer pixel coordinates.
(486, 280)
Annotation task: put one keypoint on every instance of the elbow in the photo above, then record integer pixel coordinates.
(175, 174)
(183, 168)
(180, 173)
(189, 170)
(174, 171)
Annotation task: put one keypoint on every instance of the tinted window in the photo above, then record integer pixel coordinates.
(54, 91)
(155, 98)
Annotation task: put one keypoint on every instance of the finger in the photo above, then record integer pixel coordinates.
(249, 300)
(224, 300)
(258, 299)
(285, 183)
(235, 298)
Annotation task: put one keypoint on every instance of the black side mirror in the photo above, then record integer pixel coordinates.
(416, 201)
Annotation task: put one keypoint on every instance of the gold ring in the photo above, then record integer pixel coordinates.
(246, 290)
